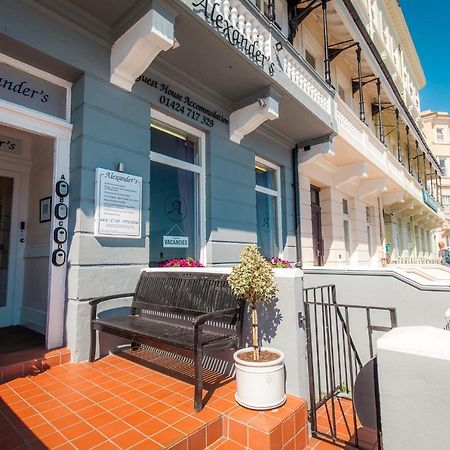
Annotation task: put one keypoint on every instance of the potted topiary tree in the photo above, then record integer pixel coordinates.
(259, 370)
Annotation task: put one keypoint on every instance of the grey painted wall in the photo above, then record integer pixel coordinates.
(414, 305)
(110, 126)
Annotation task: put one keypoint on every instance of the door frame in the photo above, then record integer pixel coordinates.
(28, 120)
(19, 174)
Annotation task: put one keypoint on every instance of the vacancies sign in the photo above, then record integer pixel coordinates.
(211, 13)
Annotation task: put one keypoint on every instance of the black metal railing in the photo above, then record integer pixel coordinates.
(340, 341)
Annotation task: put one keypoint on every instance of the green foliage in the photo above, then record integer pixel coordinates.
(252, 278)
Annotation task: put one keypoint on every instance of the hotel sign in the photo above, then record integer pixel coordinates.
(32, 92)
(10, 145)
(430, 201)
(118, 204)
(211, 14)
(183, 104)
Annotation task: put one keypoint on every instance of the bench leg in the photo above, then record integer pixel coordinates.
(134, 346)
(93, 345)
(198, 364)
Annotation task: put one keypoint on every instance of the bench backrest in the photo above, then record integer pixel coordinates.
(184, 292)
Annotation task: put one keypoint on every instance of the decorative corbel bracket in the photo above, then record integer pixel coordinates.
(372, 187)
(136, 49)
(245, 120)
(351, 172)
(316, 149)
(391, 198)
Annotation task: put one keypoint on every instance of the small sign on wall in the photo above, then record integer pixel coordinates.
(175, 242)
(118, 204)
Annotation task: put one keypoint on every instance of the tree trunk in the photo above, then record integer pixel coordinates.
(255, 332)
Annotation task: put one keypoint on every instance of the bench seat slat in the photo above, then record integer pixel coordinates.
(178, 334)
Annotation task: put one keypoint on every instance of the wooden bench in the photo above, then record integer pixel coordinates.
(193, 313)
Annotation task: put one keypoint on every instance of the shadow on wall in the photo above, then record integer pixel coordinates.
(269, 318)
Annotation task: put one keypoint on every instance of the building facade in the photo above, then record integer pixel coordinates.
(436, 127)
(136, 132)
(370, 195)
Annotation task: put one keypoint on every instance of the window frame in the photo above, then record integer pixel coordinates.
(199, 168)
(274, 193)
(442, 129)
(443, 164)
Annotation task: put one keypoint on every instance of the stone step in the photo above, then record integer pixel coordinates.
(31, 362)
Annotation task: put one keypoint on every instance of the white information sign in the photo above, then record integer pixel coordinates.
(175, 242)
(118, 204)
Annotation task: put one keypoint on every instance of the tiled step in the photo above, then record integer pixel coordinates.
(31, 362)
(282, 428)
(117, 403)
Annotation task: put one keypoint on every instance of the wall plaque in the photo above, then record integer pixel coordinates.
(118, 204)
(33, 92)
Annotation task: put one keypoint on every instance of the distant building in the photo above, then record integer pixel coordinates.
(436, 127)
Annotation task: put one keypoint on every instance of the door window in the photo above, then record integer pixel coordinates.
(6, 191)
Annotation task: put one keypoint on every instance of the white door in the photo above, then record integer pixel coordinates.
(9, 226)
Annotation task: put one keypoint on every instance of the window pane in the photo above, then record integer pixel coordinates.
(173, 211)
(267, 230)
(347, 238)
(174, 143)
(344, 206)
(442, 165)
(265, 176)
(6, 192)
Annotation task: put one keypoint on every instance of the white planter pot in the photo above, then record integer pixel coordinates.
(260, 385)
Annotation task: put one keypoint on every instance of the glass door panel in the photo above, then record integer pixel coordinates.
(6, 193)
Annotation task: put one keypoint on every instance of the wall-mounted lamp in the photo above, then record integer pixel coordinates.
(278, 46)
(262, 102)
(120, 167)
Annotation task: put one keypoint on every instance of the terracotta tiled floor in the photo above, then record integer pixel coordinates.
(117, 403)
(345, 425)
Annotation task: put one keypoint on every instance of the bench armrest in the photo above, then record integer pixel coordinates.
(200, 320)
(97, 300)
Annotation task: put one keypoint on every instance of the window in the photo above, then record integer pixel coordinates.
(347, 236)
(310, 59)
(268, 208)
(344, 206)
(176, 190)
(443, 166)
(369, 230)
(446, 202)
(439, 134)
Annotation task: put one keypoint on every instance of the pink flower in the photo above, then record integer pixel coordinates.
(180, 262)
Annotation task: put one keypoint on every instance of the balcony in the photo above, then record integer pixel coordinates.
(250, 54)
(383, 162)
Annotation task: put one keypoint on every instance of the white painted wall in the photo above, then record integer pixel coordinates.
(414, 373)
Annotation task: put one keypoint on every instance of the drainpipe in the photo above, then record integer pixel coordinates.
(419, 180)
(407, 150)
(380, 112)
(362, 113)
(271, 10)
(325, 43)
(399, 145)
(297, 216)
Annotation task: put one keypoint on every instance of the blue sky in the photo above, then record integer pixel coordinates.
(430, 28)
